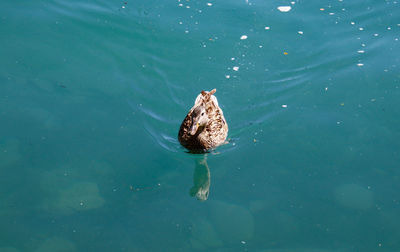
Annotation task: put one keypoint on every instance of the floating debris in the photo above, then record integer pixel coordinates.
(227, 76)
(360, 51)
(284, 8)
(285, 53)
(361, 29)
(243, 37)
(321, 9)
(235, 68)
(209, 4)
(284, 106)
(376, 35)
(267, 27)
(300, 32)
(360, 64)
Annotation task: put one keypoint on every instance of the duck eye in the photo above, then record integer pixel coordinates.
(202, 113)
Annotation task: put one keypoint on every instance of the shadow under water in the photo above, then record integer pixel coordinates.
(201, 178)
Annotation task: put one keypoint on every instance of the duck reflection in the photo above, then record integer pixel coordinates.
(201, 178)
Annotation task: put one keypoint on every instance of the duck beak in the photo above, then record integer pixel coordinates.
(194, 128)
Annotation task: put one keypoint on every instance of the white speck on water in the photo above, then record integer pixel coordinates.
(267, 27)
(123, 7)
(376, 34)
(235, 68)
(363, 45)
(389, 28)
(227, 76)
(188, 7)
(361, 51)
(260, 46)
(180, 22)
(360, 64)
(292, 2)
(243, 37)
(232, 58)
(361, 29)
(300, 32)
(284, 106)
(331, 13)
(186, 31)
(209, 4)
(180, 5)
(326, 88)
(243, 242)
(284, 8)
(352, 23)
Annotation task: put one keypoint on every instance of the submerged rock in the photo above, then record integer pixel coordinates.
(81, 196)
(232, 223)
(9, 152)
(8, 249)
(67, 189)
(56, 244)
(354, 196)
(204, 235)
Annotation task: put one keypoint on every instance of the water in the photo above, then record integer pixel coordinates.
(93, 92)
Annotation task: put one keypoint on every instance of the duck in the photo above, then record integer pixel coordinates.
(204, 127)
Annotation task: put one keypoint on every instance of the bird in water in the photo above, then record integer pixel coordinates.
(204, 127)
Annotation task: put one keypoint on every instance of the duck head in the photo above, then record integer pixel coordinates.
(199, 120)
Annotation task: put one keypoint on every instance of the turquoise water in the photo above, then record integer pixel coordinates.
(92, 94)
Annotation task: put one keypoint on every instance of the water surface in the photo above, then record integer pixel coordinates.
(92, 94)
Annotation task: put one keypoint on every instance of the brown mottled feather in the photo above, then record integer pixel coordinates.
(213, 134)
